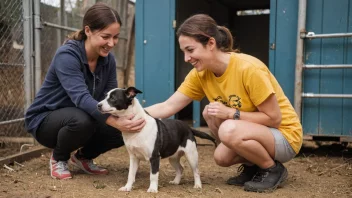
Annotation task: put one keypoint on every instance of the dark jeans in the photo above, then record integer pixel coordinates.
(68, 129)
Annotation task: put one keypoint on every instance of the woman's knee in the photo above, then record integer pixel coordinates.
(227, 131)
(83, 122)
(223, 162)
(221, 159)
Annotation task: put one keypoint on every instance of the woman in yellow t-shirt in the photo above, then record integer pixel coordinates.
(248, 112)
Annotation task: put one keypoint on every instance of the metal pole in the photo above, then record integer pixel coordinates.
(312, 35)
(53, 25)
(32, 77)
(327, 66)
(58, 31)
(62, 19)
(313, 95)
(121, 54)
(37, 47)
(13, 64)
(27, 52)
(121, 7)
(11, 121)
(299, 56)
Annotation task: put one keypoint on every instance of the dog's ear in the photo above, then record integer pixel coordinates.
(131, 92)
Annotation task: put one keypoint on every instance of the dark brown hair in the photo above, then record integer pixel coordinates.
(202, 27)
(97, 17)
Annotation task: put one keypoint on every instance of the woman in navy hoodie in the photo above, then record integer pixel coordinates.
(64, 115)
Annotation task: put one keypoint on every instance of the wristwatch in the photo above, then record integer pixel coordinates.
(237, 115)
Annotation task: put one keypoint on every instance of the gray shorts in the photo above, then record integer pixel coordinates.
(283, 150)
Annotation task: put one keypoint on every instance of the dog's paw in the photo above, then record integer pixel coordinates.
(197, 186)
(175, 182)
(125, 189)
(152, 190)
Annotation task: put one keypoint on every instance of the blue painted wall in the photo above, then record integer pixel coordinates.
(155, 50)
(283, 33)
(328, 117)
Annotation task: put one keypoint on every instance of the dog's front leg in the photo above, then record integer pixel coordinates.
(154, 173)
(134, 163)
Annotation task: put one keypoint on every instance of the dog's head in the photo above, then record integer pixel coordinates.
(118, 100)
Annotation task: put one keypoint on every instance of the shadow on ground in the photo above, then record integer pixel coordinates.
(326, 149)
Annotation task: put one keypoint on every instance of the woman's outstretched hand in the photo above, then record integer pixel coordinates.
(126, 124)
(221, 111)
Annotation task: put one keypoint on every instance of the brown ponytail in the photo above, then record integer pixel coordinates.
(225, 40)
(78, 35)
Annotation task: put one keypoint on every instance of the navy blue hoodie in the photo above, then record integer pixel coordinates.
(70, 83)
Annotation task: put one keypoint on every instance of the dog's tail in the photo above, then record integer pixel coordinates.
(203, 135)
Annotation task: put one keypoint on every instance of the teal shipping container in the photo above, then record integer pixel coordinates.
(305, 43)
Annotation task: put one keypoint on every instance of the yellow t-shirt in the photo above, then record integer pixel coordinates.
(246, 83)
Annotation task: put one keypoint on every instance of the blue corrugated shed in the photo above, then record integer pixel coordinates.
(156, 56)
(326, 116)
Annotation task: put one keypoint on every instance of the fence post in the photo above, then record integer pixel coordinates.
(121, 7)
(27, 50)
(37, 47)
(299, 57)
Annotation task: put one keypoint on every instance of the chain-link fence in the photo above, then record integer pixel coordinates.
(53, 33)
(30, 33)
(12, 100)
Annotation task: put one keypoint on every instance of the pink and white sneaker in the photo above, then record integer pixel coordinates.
(88, 166)
(59, 169)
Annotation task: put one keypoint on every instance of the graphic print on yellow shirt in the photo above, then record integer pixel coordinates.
(233, 101)
(246, 83)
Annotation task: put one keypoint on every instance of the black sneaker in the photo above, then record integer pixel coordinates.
(245, 174)
(267, 180)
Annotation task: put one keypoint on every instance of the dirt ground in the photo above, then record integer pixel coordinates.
(320, 170)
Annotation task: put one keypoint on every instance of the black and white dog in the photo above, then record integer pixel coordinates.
(158, 139)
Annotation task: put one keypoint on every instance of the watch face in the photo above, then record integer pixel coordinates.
(236, 116)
